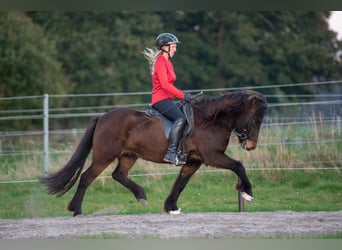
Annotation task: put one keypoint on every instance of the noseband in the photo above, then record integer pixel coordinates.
(243, 135)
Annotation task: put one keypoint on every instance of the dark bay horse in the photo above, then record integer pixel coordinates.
(127, 134)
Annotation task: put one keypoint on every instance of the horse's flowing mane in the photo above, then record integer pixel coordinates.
(211, 108)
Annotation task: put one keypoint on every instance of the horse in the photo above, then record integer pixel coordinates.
(127, 134)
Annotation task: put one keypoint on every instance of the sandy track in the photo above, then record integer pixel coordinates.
(282, 224)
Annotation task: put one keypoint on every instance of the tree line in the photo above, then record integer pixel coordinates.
(100, 52)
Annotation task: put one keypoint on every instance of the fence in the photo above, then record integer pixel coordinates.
(331, 102)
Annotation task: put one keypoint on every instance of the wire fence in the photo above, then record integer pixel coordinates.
(326, 109)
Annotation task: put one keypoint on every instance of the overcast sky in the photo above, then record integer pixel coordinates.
(335, 22)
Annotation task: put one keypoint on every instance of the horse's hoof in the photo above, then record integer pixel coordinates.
(143, 202)
(175, 212)
(246, 196)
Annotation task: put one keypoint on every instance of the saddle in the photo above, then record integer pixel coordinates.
(167, 124)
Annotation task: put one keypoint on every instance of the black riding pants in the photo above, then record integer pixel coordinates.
(169, 109)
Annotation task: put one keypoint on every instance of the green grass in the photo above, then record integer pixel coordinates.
(274, 168)
(206, 192)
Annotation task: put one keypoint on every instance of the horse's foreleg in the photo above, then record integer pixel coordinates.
(170, 205)
(244, 185)
(86, 179)
(224, 162)
(125, 163)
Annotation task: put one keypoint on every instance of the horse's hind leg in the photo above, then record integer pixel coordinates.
(86, 179)
(170, 205)
(125, 163)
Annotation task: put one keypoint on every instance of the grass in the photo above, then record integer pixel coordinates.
(206, 192)
(286, 171)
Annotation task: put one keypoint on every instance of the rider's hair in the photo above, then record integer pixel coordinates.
(151, 54)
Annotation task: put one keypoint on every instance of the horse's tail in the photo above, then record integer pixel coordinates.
(61, 181)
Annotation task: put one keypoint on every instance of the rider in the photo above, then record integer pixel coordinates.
(164, 90)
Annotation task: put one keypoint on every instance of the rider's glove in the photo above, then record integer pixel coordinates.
(187, 97)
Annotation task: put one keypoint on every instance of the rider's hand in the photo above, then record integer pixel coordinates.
(187, 97)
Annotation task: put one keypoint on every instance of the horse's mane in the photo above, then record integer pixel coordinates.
(210, 108)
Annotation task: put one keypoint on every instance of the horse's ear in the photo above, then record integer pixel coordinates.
(254, 99)
(257, 101)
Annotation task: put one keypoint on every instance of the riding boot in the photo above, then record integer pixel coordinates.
(175, 135)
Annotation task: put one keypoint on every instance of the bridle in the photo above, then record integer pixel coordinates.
(244, 135)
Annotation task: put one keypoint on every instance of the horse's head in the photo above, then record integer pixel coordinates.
(249, 121)
(242, 112)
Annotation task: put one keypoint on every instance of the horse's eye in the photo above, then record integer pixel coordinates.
(258, 121)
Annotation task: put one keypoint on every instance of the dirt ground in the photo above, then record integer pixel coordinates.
(282, 224)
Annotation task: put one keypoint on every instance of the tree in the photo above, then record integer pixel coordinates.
(101, 52)
(238, 49)
(28, 65)
(298, 47)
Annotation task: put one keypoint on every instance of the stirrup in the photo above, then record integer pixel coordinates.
(176, 161)
(179, 162)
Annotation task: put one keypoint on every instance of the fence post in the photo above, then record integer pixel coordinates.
(46, 133)
(240, 199)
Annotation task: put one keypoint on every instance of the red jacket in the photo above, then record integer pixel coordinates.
(163, 80)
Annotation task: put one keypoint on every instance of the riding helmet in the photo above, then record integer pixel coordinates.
(166, 39)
